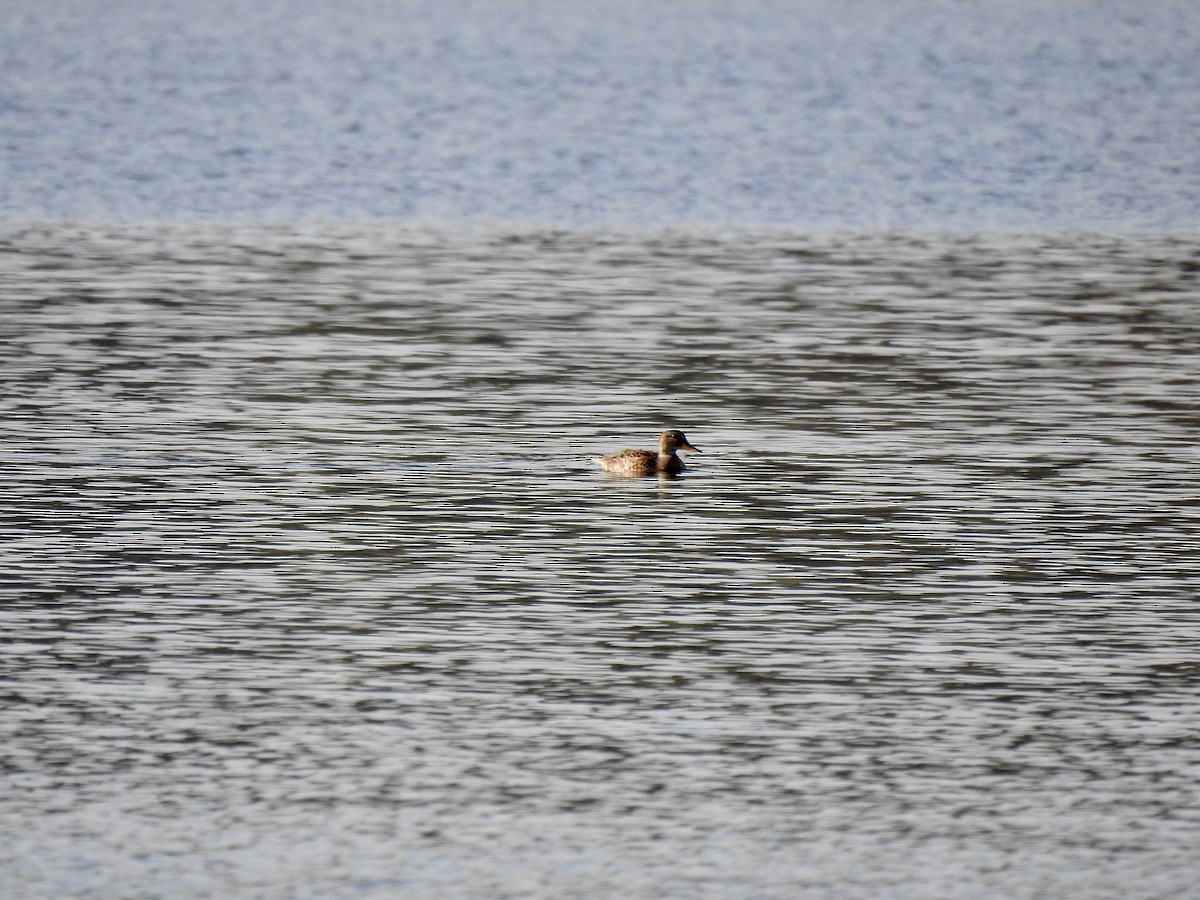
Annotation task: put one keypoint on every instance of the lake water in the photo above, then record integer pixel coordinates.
(311, 590)
(313, 315)
(929, 114)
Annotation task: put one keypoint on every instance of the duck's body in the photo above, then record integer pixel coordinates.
(635, 463)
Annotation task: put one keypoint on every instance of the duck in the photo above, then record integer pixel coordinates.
(635, 463)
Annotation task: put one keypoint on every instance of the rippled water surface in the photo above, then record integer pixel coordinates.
(934, 114)
(310, 588)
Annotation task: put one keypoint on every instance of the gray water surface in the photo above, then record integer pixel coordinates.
(310, 588)
(928, 114)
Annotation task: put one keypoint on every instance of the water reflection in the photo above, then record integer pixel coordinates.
(312, 588)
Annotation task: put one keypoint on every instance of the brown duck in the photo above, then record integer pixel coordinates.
(633, 463)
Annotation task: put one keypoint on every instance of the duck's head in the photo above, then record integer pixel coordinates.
(674, 440)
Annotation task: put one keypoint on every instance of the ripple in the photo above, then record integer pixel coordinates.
(305, 570)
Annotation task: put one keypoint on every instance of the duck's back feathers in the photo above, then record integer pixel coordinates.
(631, 462)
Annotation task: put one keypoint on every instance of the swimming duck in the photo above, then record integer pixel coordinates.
(633, 463)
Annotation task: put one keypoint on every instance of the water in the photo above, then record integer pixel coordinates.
(828, 113)
(311, 590)
(312, 316)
